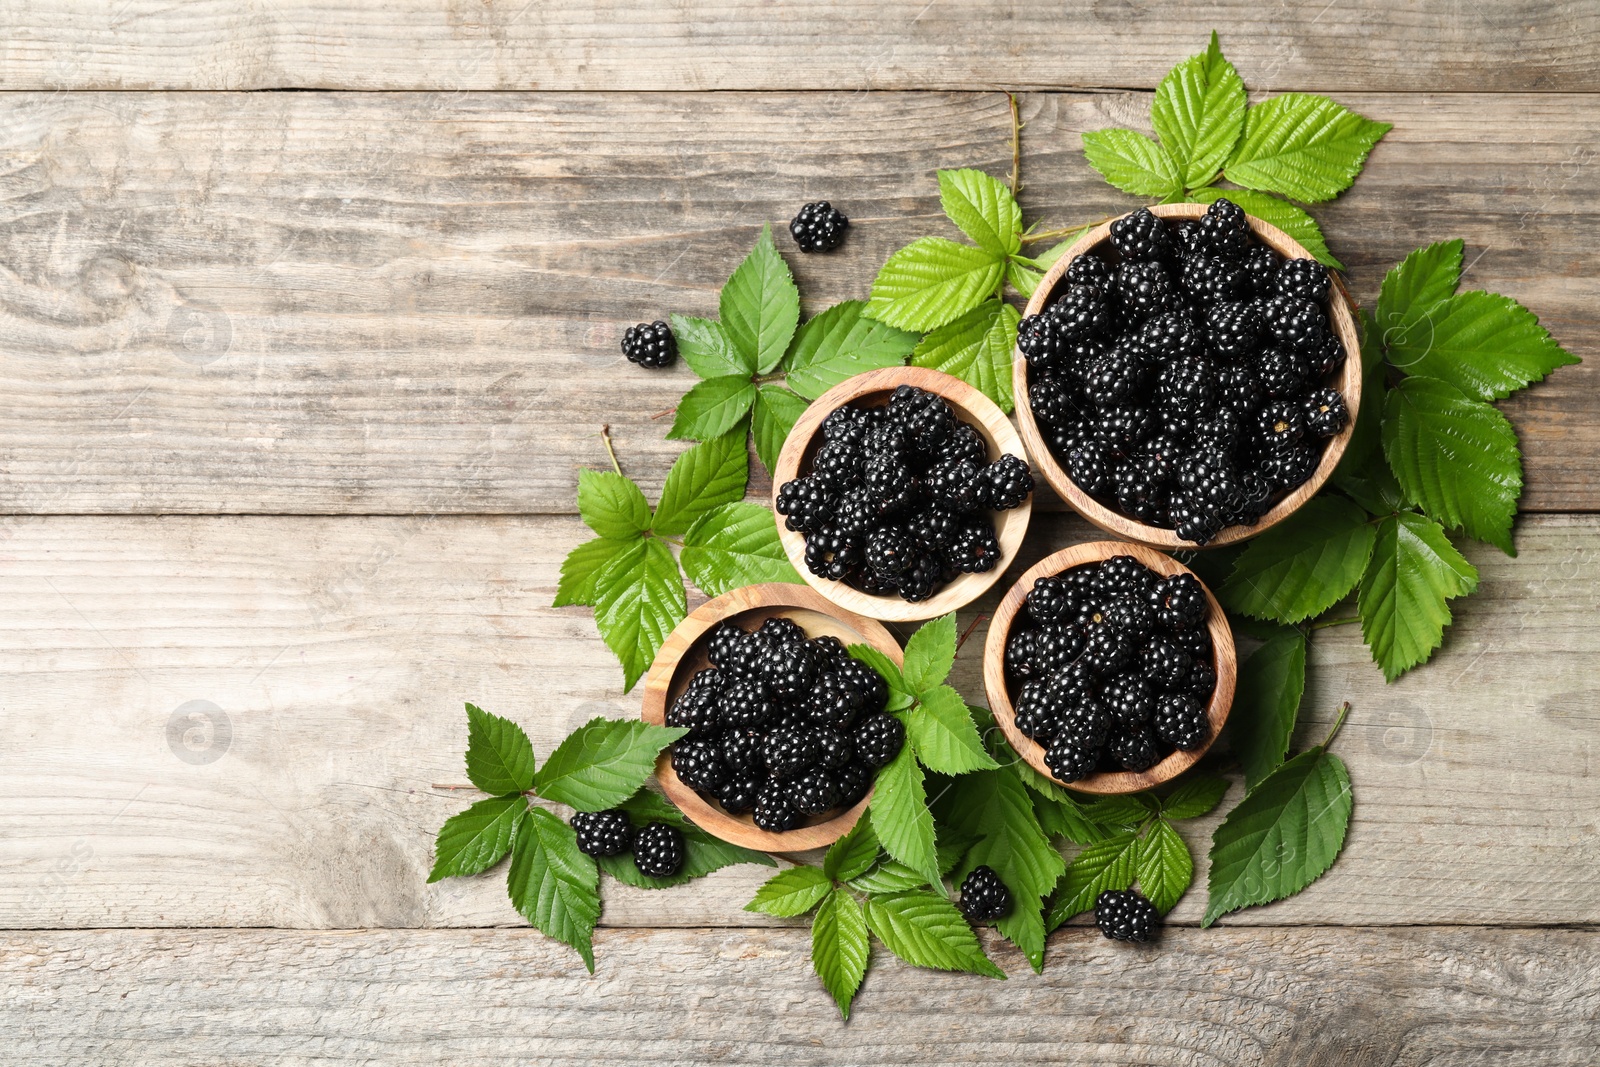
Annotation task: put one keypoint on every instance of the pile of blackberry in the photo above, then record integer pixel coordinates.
(1187, 384)
(899, 499)
(1111, 667)
(658, 849)
(781, 725)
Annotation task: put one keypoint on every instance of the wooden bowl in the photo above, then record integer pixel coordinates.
(872, 389)
(994, 669)
(683, 654)
(1344, 325)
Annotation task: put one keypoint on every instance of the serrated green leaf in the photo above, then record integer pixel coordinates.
(977, 348)
(1261, 724)
(1132, 162)
(760, 306)
(888, 876)
(603, 762)
(1280, 213)
(611, 505)
(640, 600)
(1485, 345)
(712, 408)
(472, 841)
(1414, 572)
(1023, 926)
(1164, 866)
(1194, 797)
(1127, 810)
(1411, 290)
(900, 815)
(1024, 275)
(930, 653)
(581, 570)
(499, 754)
(1047, 259)
(945, 739)
(1100, 866)
(733, 546)
(775, 413)
(1363, 473)
(1304, 146)
(707, 348)
(552, 884)
(887, 671)
(853, 853)
(840, 343)
(984, 209)
(1281, 837)
(840, 947)
(926, 930)
(1198, 113)
(1302, 566)
(1065, 819)
(790, 893)
(704, 478)
(933, 281)
(1455, 457)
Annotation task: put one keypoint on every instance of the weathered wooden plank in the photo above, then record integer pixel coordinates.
(714, 44)
(1281, 998)
(340, 650)
(326, 303)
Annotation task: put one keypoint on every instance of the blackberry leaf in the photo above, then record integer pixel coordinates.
(1422, 281)
(552, 884)
(1103, 865)
(1271, 683)
(1164, 867)
(977, 348)
(1304, 565)
(499, 755)
(1198, 113)
(760, 306)
(930, 654)
(472, 841)
(899, 693)
(840, 343)
(611, 505)
(852, 854)
(1414, 572)
(735, 545)
(840, 947)
(712, 408)
(1194, 797)
(1487, 346)
(581, 570)
(1132, 162)
(984, 209)
(790, 893)
(1282, 214)
(704, 478)
(776, 411)
(933, 281)
(603, 762)
(900, 815)
(926, 930)
(707, 348)
(1306, 147)
(943, 734)
(640, 599)
(1023, 275)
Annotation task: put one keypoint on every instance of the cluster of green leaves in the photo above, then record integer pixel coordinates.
(1298, 146)
(629, 575)
(602, 764)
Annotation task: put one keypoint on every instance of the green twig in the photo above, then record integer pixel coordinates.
(1053, 235)
(1016, 146)
(605, 436)
(1344, 709)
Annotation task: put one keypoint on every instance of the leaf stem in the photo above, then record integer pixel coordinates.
(968, 634)
(605, 436)
(1344, 709)
(1016, 146)
(1052, 235)
(1347, 620)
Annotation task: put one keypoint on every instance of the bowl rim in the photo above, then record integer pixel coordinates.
(1224, 660)
(975, 408)
(1344, 324)
(659, 683)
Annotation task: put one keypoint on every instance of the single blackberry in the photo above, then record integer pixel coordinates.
(781, 632)
(658, 850)
(1122, 576)
(878, 739)
(834, 749)
(1234, 329)
(1145, 290)
(1042, 341)
(742, 752)
(790, 671)
(962, 443)
(788, 751)
(1081, 312)
(1214, 279)
(1056, 646)
(812, 793)
(1291, 466)
(1139, 493)
(1280, 370)
(603, 833)
(1089, 467)
(699, 764)
(1224, 229)
(1086, 723)
(1076, 682)
(696, 708)
(1180, 721)
(974, 549)
(1193, 519)
(1169, 337)
(1197, 642)
(1105, 650)
(1141, 235)
(1122, 429)
(1261, 270)
(1218, 431)
(773, 812)
(1019, 654)
(805, 504)
(737, 794)
(1049, 599)
(830, 651)
(933, 526)
(1134, 748)
(1128, 698)
(890, 482)
(1295, 322)
(925, 417)
(1322, 360)
(650, 344)
(832, 701)
(1179, 603)
(1186, 238)
(924, 578)
(867, 684)
(1160, 456)
(819, 227)
(1005, 484)
(1281, 424)
(847, 424)
(831, 554)
(854, 513)
(1124, 915)
(984, 896)
(1188, 383)
(1069, 761)
(1325, 411)
(1238, 388)
(851, 782)
(1040, 711)
(890, 551)
(745, 705)
(1115, 377)
(1163, 663)
(1255, 498)
(1303, 279)
(1202, 679)
(837, 466)
(1131, 615)
(1089, 269)
(884, 440)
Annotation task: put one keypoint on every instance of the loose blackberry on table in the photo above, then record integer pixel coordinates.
(1125, 915)
(984, 897)
(900, 500)
(658, 850)
(1130, 364)
(819, 227)
(650, 344)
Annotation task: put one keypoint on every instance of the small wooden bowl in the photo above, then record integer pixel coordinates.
(1114, 521)
(994, 667)
(683, 654)
(873, 389)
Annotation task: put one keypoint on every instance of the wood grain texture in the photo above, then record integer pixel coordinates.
(1282, 998)
(334, 303)
(1424, 46)
(341, 650)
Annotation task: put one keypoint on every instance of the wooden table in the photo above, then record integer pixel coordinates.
(296, 387)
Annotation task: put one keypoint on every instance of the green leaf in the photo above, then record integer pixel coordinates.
(1304, 565)
(1047, 259)
(472, 841)
(603, 762)
(840, 343)
(888, 876)
(1415, 570)
(640, 601)
(1198, 113)
(1280, 213)
(984, 209)
(712, 408)
(933, 281)
(1487, 346)
(581, 570)
(1132, 162)
(1194, 797)
(900, 815)
(1100, 866)
(790, 893)
(1164, 866)
(499, 755)
(552, 884)
(1455, 457)
(1303, 146)
(760, 306)
(1058, 815)
(977, 348)
(1023, 275)
(899, 692)
(611, 505)
(702, 479)
(1128, 810)
(775, 414)
(852, 854)
(734, 546)
(840, 947)
(1271, 683)
(1424, 280)
(707, 348)
(926, 930)
(943, 734)
(930, 653)
(1363, 473)
(1282, 836)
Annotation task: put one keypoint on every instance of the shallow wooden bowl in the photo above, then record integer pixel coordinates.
(873, 389)
(1111, 521)
(683, 654)
(994, 667)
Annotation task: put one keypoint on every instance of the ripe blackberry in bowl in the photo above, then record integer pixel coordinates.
(1165, 317)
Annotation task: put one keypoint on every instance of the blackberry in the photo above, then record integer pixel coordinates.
(745, 705)
(1303, 279)
(1295, 322)
(1238, 388)
(1040, 712)
(1139, 494)
(922, 580)
(1255, 496)
(1134, 748)
(1088, 269)
(1105, 651)
(836, 467)
(984, 896)
(1086, 724)
(1081, 312)
(834, 749)
(650, 344)
(1122, 429)
(1195, 520)
(1145, 290)
(851, 782)
(1075, 682)
(932, 527)
(788, 751)
(890, 482)
(1224, 229)
(1056, 647)
(658, 850)
(1202, 679)
(962, 443)
(603, 833)
(1122, 576)
(781, 632)
(831, 554)
(1180, 721)
(1049, 599)
(805, 504)
(1131, 616)
(1188, 383)
(1214, 279)
(830, 651)
(1322, 360)
(832, 702)
(868, 685)
(1197, 642)
(742, 752)
(790, 670)
(1019, 654)
(819, 227)
(1261, 270)
(1218, 431)
(847, 424)
(1291, 466)
(1281, 371)
(699, 765)
(1141, 235)
(1088, 467)
(1179, 603)
(878, 739)
(975, 549)
(883, 440)
(854, 513)
(696, 708)
(738, 793)
(1186, 238)
(1169, 337)
(1163, 663)
(1042, 341)
(1124, 915)
(773, 812)
(1128, 698)
(925, 417)
(890, 551)
(1325, 411)
(1234, 329)
(1069, 761)
(1113, 378)
(812, 793)
(1281, 424)
(1006, 483)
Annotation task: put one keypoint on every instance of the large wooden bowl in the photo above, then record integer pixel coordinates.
(873, 389)
(683, 654)
(1115, 522)
(1225, 659)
